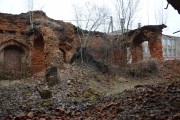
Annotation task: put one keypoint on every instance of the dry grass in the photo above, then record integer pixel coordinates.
(142, 68)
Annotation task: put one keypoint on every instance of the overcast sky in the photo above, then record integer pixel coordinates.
(63, 10)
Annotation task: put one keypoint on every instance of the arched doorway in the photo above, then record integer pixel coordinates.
(38, 56)
(13, 58)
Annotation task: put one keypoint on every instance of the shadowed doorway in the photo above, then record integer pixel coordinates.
(13, 59)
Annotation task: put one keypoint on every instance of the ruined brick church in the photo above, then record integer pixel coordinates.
(52, 43)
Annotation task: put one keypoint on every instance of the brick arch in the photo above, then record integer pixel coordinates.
(23, 47)
(13, 56)
(154, 44)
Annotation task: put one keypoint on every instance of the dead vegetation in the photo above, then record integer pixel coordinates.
(143, 68)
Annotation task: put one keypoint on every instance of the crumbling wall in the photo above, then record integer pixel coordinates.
(14, 56)
(136, 52)
(37, 54)
(152, 34)
(155, 46)
(117, 52)
(68, 41)
(15, 43)
(40, 48)
(50, 42)
(112, 50)
(53, 55)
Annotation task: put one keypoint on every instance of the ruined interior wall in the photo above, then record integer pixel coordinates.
(14, 39)
(53, 55)
(19, 23)
(12, 23)
(68, 41)
(96, 46)
(37, 54)
(118, 57)
(155, 46)
(17, 28)
(6, 36)
(13, 33)
(61, 40)
(136, 52)
(152, 34)
(104, 48)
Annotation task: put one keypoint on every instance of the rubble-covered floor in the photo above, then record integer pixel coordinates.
(84, 93)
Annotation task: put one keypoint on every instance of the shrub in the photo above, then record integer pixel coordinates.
(143, 68)
(173, 65)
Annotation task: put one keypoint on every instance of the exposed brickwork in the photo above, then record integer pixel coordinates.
(117, 55)
(50, 42)
(137, 53)
(155, 47)
(40, 46)
(54, 56)
(20, 51)
(38, 56)
(152, 34)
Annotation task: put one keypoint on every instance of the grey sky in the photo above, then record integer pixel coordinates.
(63, 10)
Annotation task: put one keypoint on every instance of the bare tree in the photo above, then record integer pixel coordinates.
(126, 10)
(125, 14)
(89, 19)
(30, 7)
(161, 15)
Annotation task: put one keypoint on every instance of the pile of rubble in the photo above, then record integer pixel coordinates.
(84, 93)
(143, 102)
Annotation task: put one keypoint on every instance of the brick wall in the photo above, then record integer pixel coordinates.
(155, 47)
(154, 43)
(137, 52)
(38, 57)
